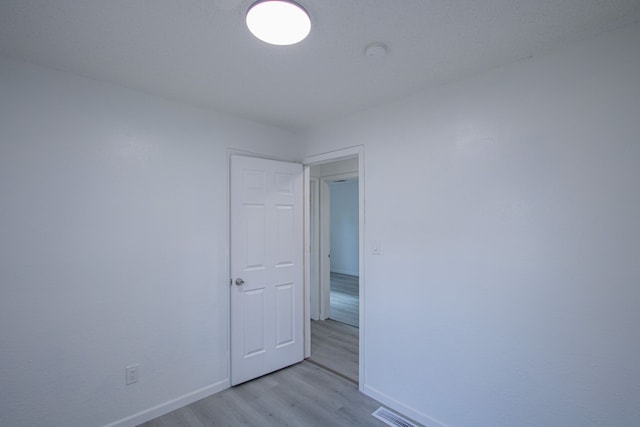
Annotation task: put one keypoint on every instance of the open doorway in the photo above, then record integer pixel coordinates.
(335, 266)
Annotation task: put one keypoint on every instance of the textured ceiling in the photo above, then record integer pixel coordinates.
(200, 52)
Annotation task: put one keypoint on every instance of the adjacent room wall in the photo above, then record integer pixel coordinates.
(344, 227)
(113, 248)
(507, 210)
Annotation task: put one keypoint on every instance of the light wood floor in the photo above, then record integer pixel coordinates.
(345, 299)
(334, 346)
(301, 395)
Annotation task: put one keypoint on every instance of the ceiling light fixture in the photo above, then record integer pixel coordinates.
(279, 22)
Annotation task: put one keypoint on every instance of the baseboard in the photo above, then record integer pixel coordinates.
(403, 409)
(171, 405)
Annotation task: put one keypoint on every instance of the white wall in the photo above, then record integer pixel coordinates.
(507, 206)
(113, 247)
(344, 227)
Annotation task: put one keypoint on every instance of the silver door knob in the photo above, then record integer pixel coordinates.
(239, 282)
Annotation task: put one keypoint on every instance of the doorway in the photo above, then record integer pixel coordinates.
(288, 334)
(335, 264)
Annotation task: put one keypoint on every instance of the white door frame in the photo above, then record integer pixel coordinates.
(314, 223)
(357, 151)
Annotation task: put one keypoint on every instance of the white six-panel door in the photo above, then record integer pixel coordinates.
(266, 266)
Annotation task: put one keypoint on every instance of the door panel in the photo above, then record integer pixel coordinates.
(285, 236)
(254, 322)
(255, 223)
(266, 254)
(285, 314)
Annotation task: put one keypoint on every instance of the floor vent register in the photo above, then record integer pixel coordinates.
(391, 418)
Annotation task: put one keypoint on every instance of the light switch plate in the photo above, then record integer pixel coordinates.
(132, 374)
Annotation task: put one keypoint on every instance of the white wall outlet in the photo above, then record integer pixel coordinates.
(132, 374)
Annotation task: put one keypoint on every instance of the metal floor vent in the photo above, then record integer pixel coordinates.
(391, 418)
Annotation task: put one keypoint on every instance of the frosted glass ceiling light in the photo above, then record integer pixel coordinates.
(279, 22)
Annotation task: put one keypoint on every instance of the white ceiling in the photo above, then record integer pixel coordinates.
(200, 52)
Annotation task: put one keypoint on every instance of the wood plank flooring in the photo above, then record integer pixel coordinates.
(301, 395)
(345, 299)
(334, 346)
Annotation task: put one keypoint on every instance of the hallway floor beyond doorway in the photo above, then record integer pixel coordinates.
(345, 299)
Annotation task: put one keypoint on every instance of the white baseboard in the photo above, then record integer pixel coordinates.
(171, 405)
(403, 409)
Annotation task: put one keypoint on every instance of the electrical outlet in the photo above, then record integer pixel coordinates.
(132, 374)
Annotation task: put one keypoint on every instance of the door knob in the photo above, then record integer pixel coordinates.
(239, 282)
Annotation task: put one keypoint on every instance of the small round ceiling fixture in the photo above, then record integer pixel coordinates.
(278, 22)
